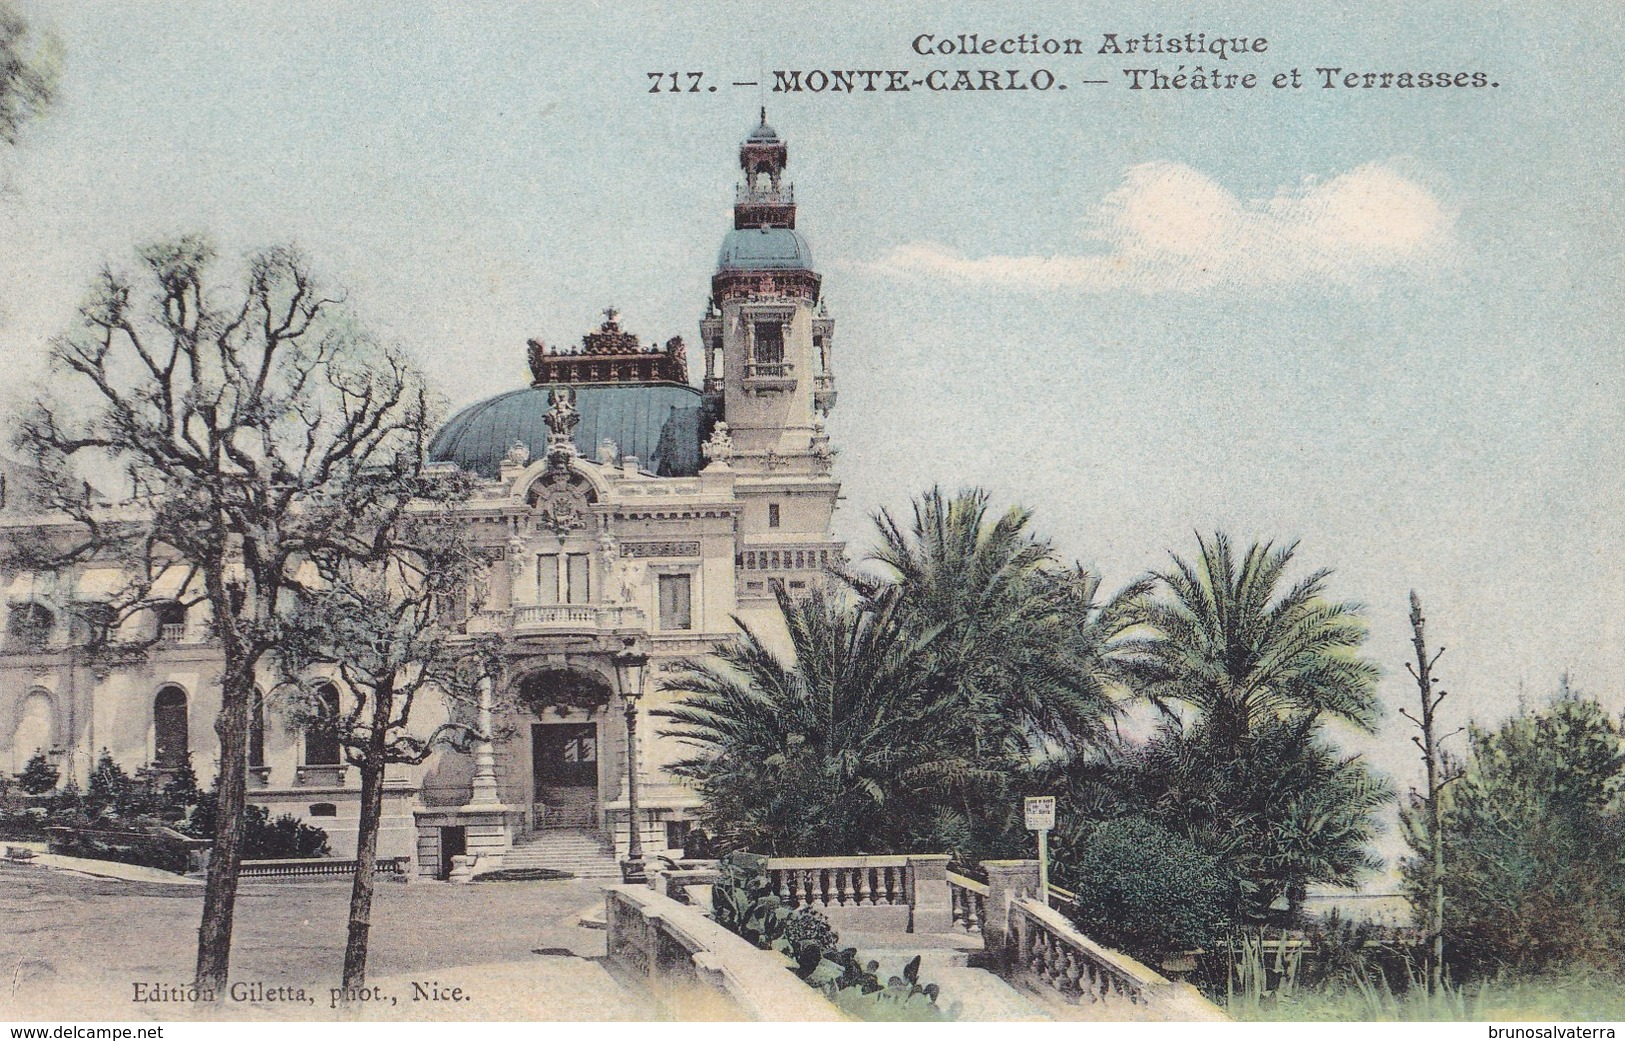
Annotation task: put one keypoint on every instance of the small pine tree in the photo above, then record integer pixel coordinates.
(112, 792)
(38, 776)
(181, 793)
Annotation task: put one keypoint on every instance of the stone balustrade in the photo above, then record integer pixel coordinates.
(699, 970)
(873, 893)
(1051, 951)
(323, 867)
(968, 899)
(588, 618)
(1049, 957)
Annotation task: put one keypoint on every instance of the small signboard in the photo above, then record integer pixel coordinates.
(1040, 811)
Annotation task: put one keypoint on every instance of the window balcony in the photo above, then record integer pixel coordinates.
(321, 775)
(172, 633)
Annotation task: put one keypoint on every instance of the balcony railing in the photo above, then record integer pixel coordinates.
(558, 618)
(780, 370)
(785, 196)
(173, 633)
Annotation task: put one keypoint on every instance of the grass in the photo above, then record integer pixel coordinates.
(1547, 999)
(1562, 997)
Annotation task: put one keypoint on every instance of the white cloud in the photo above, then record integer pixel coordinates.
(1168, 227)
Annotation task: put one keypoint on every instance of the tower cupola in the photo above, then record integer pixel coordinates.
(764, 200)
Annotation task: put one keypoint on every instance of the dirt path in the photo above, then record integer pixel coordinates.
(73, 947)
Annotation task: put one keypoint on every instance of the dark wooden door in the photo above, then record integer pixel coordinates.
(453, 843)
(564, 755)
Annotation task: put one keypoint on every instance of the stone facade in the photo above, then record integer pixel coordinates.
(592, 546)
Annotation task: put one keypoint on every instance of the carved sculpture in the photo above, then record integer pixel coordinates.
(561, 419)
(719, 449)
(679, 359)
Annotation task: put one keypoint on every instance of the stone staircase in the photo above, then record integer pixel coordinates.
(579, 851)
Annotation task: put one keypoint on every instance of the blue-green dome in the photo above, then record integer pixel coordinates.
(765, 249)
(660, 423)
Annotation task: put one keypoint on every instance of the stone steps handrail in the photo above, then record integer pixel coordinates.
(968, 898)
(1063, 897)
(1052, 955)
(675, 948)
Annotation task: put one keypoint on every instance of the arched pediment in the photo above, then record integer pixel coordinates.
(561, 689)
(562, 499)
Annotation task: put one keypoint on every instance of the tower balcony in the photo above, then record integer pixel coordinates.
(769, 377)
(824, 391)
(782, 196)
(795, 566)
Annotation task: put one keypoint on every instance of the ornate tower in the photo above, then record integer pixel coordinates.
(769, 343)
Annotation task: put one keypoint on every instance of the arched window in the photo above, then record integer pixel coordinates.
(28, 627)
(35, 731)
(256, 729)
(321, 740)
(169, 740)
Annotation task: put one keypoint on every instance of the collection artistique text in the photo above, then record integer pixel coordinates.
(1220, 47)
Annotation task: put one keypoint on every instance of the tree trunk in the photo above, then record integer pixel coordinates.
(366, 842)
(1435, 818)
(225, 861)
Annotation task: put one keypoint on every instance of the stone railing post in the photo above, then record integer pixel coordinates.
(931, 908)
(1007, 882)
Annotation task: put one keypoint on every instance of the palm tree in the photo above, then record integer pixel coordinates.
(1024, 647)
(1232, 643)
(1261, 664)
(916, 716)
(824, 752)
(1286, 812)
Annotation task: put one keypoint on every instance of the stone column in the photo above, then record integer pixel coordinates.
(483, 790)
(1007, 882)
(930, 907)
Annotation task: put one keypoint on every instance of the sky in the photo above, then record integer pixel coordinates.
(1380, 322)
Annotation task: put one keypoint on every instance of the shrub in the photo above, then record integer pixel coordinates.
(264, 838)
(1533, 833)
(1143, 889)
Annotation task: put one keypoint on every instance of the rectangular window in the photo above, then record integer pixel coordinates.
(547, 578)
(676, 603)
(769, 344)
(772, 514)
(579, 590)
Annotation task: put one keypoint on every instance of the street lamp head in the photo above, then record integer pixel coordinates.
(629, 665)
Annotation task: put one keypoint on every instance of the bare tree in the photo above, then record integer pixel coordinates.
(28, 73)
(258, 427)
(1427, 834)
(391, 629)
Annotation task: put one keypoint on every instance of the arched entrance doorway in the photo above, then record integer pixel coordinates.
(566, 746)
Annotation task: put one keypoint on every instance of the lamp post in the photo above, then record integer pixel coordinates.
(629, 665)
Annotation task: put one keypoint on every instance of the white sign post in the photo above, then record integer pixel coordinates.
(1040, 813)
